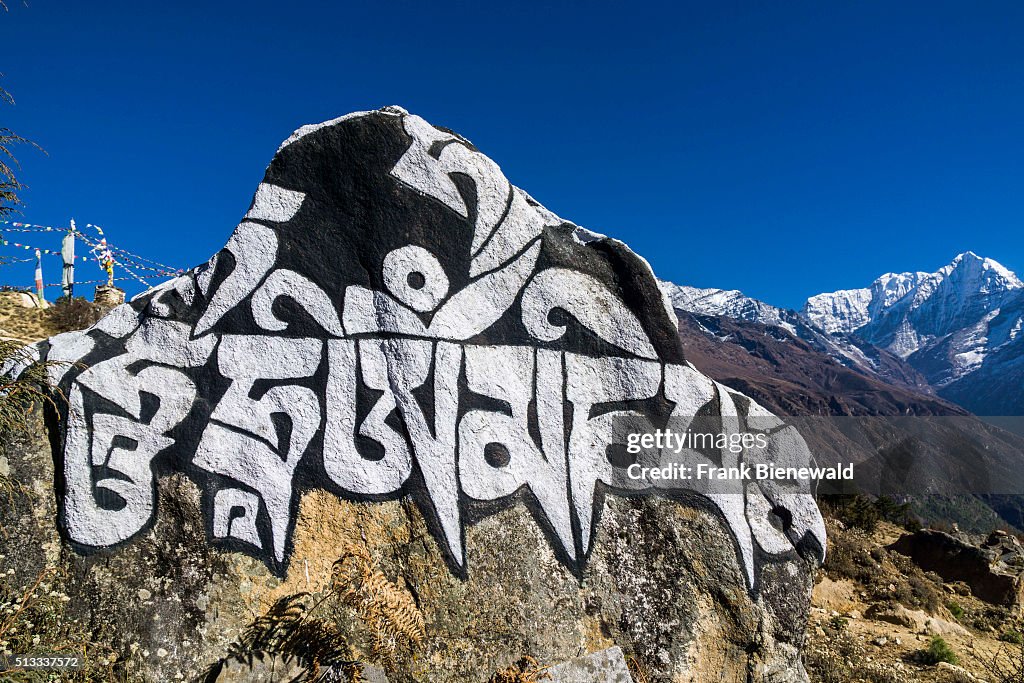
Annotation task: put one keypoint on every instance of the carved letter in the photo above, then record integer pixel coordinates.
(241, 441)
(514, 460)
(589, 382)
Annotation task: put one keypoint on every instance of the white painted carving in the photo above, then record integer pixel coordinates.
(342, 461)
(242, 527)
(183, 285)
(125, 446)
(522, 225)
(367, 311)
(588, 383)
(422, 172)
(119, 322)
(65, 350)
(302, 291)
(403, 264)
(433, 441)
(242, 442)
(275, 204)
(507, 373)
(204, 275)
(254, 247)
(478, 306)
(587, 300)
(466, 313)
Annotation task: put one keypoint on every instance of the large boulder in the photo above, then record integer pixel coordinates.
(994, 570)
(393, 403)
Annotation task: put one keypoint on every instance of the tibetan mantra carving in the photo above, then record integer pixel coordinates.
(393, 318)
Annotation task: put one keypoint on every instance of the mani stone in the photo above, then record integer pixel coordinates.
(400, 357)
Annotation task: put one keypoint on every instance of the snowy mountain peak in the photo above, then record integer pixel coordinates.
(968, 287)
(990, 275)
(844, 349)
(731, 303)
(948, 320)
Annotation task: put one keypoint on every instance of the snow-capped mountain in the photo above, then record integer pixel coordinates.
(846, 349)
(906, 312)
(945, 324)
(731, 303)
(958, 331)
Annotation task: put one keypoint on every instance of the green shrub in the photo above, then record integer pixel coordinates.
(939, 651)
(955, 609)
(862, 512)
(1013, 637)
(838, 623)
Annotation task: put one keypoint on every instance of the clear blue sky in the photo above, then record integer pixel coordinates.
(783, 149)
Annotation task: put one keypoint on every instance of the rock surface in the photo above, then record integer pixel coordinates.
(606, 666)
(393, 396)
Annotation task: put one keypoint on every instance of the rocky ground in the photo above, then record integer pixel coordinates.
(877, 617)
(23, 321)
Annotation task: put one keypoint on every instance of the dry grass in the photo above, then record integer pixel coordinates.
(290, 632)
(294, 631)
(388, 610)
(22, 324)
(526, 670)
(1006, 665)
(636, 670)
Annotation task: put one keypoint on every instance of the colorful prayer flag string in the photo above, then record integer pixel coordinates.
(106, 255)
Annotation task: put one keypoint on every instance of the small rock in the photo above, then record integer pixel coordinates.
(897, 615)
(853, 614)
(607, 665)
(161, 653)
(374, 674)
(959, 672)
(144, 594)
(940, 627)
(880, 641)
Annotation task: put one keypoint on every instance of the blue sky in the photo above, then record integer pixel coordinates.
(783, 149)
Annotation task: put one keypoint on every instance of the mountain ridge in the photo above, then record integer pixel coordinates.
(957, 332)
